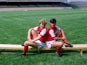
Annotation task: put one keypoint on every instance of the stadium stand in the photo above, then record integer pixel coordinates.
(79, 4)
(33, 3)
(43, 3)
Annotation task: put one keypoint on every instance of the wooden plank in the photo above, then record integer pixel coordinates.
(76, 46)
(12, 46)
(81, 52)
(20, 47)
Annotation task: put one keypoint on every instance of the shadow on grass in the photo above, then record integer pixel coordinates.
(36, 52)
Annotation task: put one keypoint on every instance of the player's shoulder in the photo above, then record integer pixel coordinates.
(57, 26)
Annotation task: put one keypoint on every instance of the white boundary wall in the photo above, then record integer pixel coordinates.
(76, 1)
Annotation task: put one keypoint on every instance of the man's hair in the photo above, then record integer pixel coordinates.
(53, 20)
(43, 21)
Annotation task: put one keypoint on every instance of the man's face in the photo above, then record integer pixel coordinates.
(41, 25)
(52, 24)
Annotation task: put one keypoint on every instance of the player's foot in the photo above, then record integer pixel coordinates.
(68, 45)
(22, 54)
(59, 54)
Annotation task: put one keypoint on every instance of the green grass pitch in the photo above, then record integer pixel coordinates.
(14, 27)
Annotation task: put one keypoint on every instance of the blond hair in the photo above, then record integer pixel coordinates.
(43, 21)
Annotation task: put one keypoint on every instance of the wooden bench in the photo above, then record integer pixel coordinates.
(20, 47)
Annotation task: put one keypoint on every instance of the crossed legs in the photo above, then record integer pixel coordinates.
(31, 34)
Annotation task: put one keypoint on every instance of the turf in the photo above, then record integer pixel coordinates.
(14, 27)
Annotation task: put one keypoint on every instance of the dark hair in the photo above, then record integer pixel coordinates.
(53, 20)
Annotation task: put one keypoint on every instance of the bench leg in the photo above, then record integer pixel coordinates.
(81, 52)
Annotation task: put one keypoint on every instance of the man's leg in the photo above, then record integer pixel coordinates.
(65, 41)
(31, 34)
(63, 38)
(58, 46)
(25, 47)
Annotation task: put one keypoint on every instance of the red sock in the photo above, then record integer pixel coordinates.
(25, 49)
(58, 49)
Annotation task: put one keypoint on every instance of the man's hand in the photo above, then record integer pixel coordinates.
(57, 38)
(30, 41)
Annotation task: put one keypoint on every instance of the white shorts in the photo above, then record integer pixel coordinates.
(40, 44)
(48, 43)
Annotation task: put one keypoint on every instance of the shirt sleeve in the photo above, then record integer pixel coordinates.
(43, 32)
(51, 32)
(58, 28)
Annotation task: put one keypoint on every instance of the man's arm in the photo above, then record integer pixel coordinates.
(61, 34)
(42, 33)
(37, 38)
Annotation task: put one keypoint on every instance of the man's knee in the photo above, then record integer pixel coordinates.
(60, 43)
(26, 43)
(34, 33)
